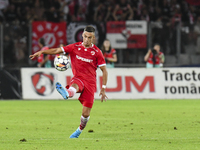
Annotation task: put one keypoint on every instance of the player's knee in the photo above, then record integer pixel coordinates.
(86, 111)
(85, 114)
(75, 86)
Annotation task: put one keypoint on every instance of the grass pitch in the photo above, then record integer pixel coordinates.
(116, 125)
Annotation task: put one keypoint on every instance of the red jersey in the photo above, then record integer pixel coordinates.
(109, 54)
(84, 61)
(157, 60)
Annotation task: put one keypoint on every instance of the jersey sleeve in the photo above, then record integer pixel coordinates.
(67, 49)
(113, 51)
(100, 59)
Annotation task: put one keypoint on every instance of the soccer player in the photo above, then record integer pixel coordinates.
(85, 58)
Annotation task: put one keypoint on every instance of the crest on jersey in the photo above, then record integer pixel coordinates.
(92, 52)
(43, 83)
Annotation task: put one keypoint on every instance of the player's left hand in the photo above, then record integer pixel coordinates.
(103, 95)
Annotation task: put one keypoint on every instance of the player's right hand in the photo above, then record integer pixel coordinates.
(35, 55)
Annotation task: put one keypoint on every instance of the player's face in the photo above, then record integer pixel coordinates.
(88, 37)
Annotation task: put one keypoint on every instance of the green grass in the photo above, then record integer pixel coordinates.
(117, 125)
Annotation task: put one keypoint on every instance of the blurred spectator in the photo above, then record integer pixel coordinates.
(109, 54)
(80, 16)
(81, 10)
(145, 15)
(175, 20)
(184, 11)
(10, 14)
(56, 4)
(161, 32)
(191, 15)
(31, 15)
(157, 15)
(68, 10)
(197, 32)
(134, 6)
(100, 13)
(1, 17)
(20, 49)
(52, 15)
(8, 50)
(176, 16)
(64, 9)
(100, 20)
(39, 10)
(154, 58)
(154, 9)
(3, 5)
(22, 13)
(123, 11)
(43, 60)
(139, 6)
(165, 8)
(22, 3)
(92, 6)
(109, 9)
(47, 4)
(165, 35)
(84, 4)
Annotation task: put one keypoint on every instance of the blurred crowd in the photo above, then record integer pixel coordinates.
(164, 15)
(24, 11)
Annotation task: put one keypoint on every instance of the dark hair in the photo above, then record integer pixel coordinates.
(89, 28)
(41, 41)
(154, 54)
(103, 47)
(156, 44)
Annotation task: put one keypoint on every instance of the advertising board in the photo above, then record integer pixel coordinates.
(123, 83)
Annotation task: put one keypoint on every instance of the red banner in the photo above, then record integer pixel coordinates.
(54, 34)
(116, 26)
(127, 34)
(193, 2)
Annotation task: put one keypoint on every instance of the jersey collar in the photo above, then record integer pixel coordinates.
(87, 47)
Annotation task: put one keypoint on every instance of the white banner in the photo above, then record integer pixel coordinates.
(127, 34)
(142, 83)
(136, 27)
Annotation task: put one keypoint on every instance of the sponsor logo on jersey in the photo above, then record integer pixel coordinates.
(92, 52)
(84, 59)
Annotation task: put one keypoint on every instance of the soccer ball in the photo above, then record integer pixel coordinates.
(61, 62)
